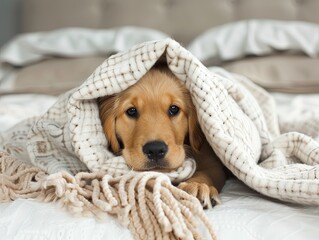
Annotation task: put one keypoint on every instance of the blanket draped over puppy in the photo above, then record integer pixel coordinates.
(63, 155)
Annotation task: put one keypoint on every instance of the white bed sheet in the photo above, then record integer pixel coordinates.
(15, 108)
(243, 214)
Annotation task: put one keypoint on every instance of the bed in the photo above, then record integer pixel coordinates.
(57, 52)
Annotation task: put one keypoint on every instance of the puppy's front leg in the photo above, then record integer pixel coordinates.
(209, 178)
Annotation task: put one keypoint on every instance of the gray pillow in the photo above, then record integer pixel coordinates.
(283, 72)
(55, 76)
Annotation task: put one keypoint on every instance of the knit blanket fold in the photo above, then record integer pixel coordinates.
(238, 119)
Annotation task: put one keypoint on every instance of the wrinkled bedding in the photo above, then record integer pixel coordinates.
(243, 212)
(82, 49)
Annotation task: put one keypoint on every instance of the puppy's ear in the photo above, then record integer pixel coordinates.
(107, 115)
(196, 136)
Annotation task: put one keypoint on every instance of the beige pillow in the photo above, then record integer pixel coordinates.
(55, 76)
(283, 73)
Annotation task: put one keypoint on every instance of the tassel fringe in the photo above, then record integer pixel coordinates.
(145, 202)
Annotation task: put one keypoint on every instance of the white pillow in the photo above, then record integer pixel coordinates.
(255, 37)
(74, 42)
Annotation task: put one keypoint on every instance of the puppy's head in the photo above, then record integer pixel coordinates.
(149, 122)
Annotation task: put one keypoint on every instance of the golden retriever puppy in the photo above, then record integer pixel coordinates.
(153, 124)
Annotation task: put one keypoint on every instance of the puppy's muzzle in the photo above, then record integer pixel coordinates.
(155, 150)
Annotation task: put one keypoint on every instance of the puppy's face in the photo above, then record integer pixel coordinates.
(149, 122)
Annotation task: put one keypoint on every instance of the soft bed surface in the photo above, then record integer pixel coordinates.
(14, 108)
(243, 214)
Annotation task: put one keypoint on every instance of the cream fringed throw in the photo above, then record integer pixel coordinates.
(239, 121)
(147, 202)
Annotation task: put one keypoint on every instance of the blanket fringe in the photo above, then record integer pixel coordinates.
(18, 180)
(146, 202)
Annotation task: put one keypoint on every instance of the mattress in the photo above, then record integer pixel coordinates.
(243, 213)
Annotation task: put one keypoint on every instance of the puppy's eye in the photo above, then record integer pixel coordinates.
(132, 112)
(173, 110)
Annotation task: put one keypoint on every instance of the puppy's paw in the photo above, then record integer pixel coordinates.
(207, 195)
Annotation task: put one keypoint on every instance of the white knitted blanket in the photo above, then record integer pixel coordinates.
(238, 119)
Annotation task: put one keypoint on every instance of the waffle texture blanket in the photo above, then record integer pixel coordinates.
(62, 155)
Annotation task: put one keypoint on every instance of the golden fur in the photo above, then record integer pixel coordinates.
(150, 124)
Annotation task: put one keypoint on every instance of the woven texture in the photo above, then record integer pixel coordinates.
(238, 119)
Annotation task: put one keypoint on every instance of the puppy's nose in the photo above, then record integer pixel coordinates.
(155, 150)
